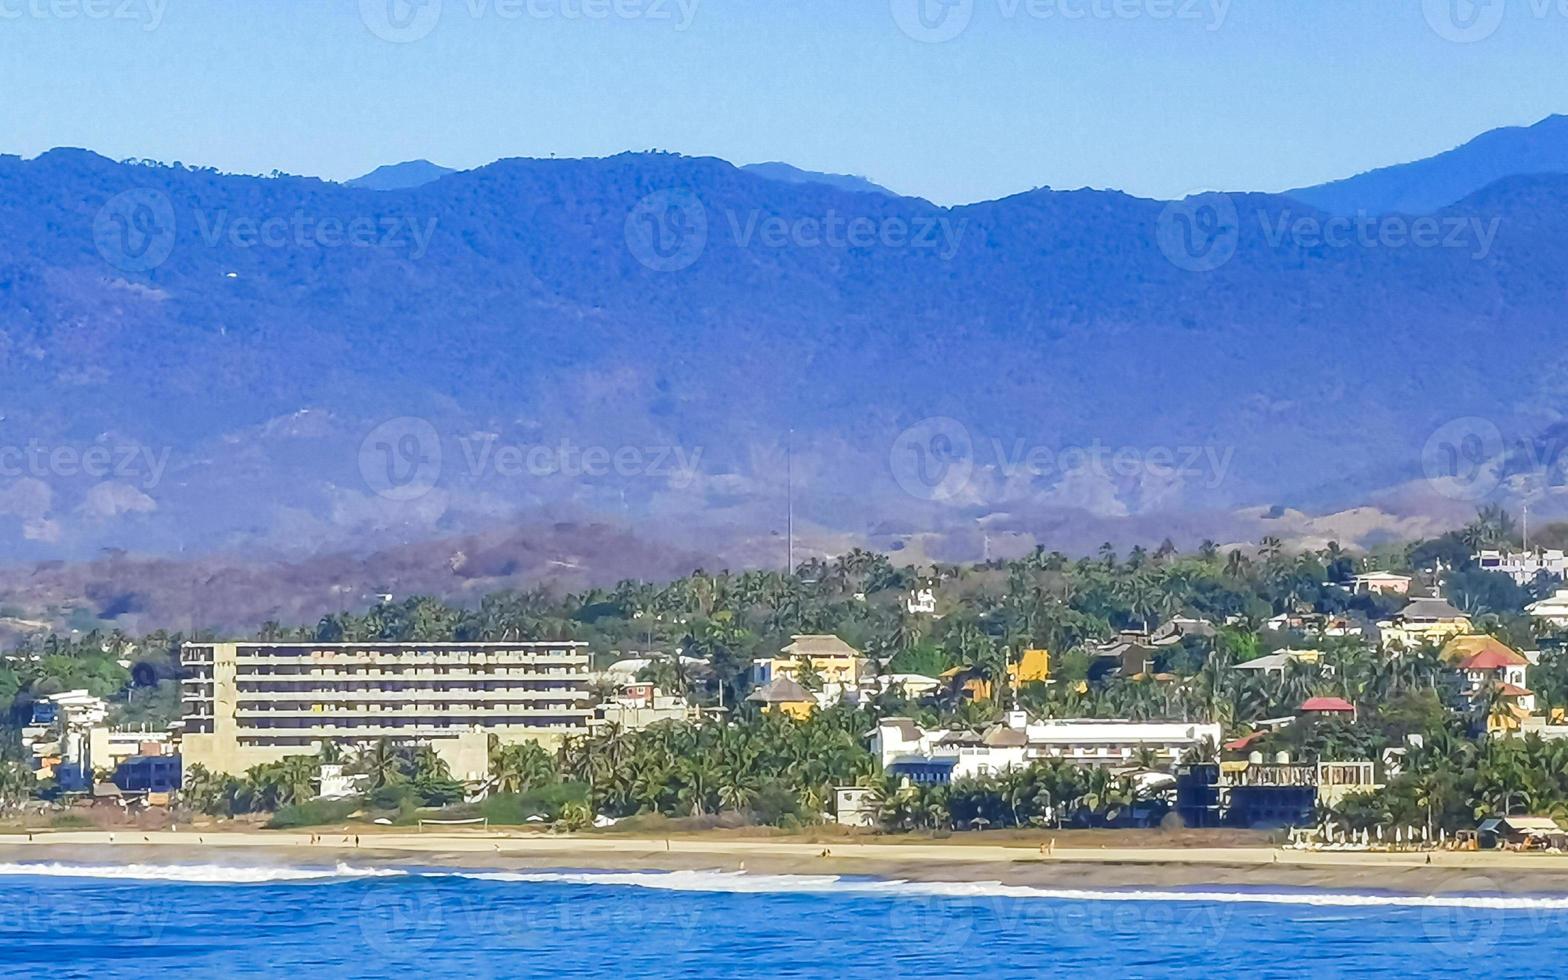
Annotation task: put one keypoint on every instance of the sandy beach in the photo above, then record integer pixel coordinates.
(1088, 867)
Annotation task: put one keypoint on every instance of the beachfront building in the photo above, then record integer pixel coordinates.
(903, 745)
(256, 702)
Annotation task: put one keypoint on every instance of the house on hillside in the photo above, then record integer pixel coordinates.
(1524, 566)
(840, 666)
(1278, 663)
(1328, 707)
(1491, 673)
(1553, 610)
(1380, 583)
(784, 697)
(1429, 619)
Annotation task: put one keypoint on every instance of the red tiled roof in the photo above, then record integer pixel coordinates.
(1327, 704)
(1493, 658)
(1237, 744)
(1512, 690)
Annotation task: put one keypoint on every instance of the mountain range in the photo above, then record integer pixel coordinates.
(227, 373)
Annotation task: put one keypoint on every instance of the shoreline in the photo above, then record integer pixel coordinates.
(1086, 868)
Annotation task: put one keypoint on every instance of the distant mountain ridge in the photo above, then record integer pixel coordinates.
(400, 176)
(1424, 186)
(794, 175)
(285, 358)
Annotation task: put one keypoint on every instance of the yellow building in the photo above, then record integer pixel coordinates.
(1031, 667)
(783, 696)
(967, 683)
(831, 659)
(1426, 620)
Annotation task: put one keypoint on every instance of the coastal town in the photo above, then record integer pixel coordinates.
(1411, 697)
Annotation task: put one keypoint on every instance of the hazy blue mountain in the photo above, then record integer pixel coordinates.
(794, 175)
(400, 176)
(1424, 186)
(288, 365)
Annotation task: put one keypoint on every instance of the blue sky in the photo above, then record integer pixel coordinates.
(1155, 97)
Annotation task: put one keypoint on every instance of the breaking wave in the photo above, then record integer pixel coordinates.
(213, 874)
(741, 882)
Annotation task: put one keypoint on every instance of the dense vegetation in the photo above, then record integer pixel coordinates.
(781, 771)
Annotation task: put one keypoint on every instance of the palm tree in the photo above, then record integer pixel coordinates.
(382, 762)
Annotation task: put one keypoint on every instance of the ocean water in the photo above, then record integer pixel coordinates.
(59, 920)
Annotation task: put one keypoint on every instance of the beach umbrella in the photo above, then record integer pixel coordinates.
(1380, 833)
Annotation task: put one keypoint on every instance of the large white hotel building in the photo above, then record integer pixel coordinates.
(246, 703)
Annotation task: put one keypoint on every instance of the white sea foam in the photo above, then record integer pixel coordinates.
(737, 881)
(215, 874)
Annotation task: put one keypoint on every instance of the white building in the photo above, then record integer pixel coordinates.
(921, 602)
(256, 702)
(1020, 742)
(58, 735)
(636, 706)
(1381, 583)
(1524, 566)
(1553, 609)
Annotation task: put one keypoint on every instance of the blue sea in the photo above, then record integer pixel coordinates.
(59, 920)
